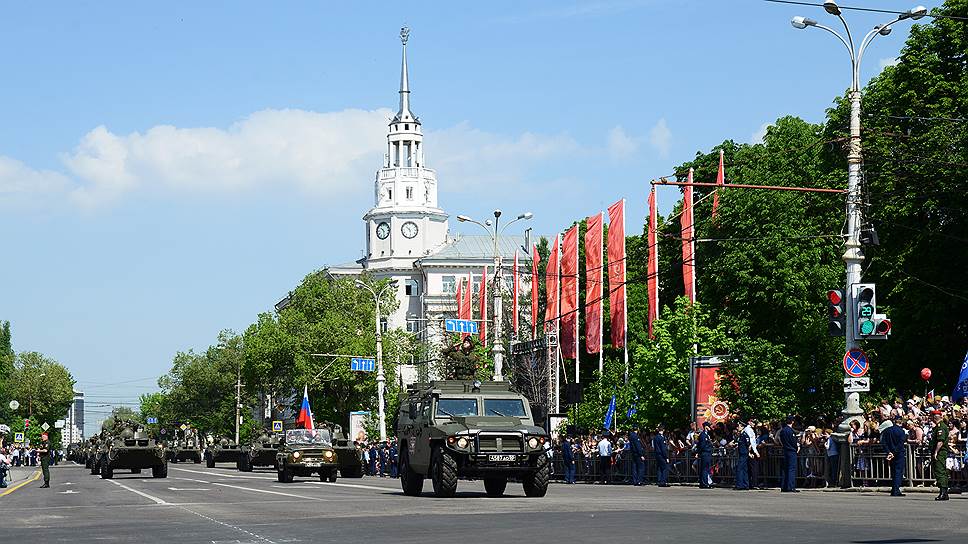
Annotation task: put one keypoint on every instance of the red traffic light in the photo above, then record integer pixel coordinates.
(883, 327)
(835, 296)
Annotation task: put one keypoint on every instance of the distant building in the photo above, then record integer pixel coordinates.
(74, 420)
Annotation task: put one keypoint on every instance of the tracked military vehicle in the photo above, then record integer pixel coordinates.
(220, 450)
(128, 446)
(348, 455)
(261, 452)
(305, 452)
(448, 430)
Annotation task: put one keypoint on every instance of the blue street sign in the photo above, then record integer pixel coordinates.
(152, 420)
(362, 364)
(460, 325)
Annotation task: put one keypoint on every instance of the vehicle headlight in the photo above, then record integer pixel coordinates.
(462, 443)
(296, 455)
(533, 442)
(328, 455)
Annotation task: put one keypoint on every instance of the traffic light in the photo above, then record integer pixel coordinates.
(869, 324)
(837, 317)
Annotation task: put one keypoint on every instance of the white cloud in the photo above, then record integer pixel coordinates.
(889, 61)
(19, 181)
(620, 144)
(661, 138)
(760, 134)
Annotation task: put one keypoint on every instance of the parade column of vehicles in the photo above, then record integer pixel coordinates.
(125, 446)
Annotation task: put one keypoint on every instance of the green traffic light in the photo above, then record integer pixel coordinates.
(866, 327)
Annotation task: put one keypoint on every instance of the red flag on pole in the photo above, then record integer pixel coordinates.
(720, 182)
(460, 296)
(593, 284)
(653, 263)
(514, 316)
(483, 304)
(569, 294)
(688, 243)
(535, 259)
(551, 284)
(466, 309)
(616, 272)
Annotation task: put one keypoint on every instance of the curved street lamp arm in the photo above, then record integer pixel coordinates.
(850, 38)
(867, 41)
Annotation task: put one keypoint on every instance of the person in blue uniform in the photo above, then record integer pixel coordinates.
(660, 449)
(637, 450)
(568, 460)
(372, 456)
(382, 452)
(742, 460)
(790, 445)
(894, 439)
(704, 450)
(394, 458)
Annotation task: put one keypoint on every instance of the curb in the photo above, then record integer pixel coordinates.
(34, 478)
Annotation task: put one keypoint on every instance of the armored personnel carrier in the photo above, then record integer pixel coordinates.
(348, 455)
(448, 430)
(261, 452)
(128, 446)
(220, 450)
(305, 452)
(186, 448)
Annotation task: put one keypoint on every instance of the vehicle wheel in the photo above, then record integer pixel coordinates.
(136, 471)
(494, 486)
(160, 472)
(411, 482)
(284, 475)
(245, 464)
(536, 482)
(198, 459)
(210, 461)
(332, 476)
(95, 467)
(106, 471)
(443, 472)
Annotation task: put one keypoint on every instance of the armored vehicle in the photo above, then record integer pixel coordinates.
(186, 448)
(220, 450)
(128, 446)
(449, 430)
(261, 452)
(349, 456)
(305, 452)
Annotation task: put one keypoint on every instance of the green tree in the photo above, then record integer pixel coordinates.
(44, 387)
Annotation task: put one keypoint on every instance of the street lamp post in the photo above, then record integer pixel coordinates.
(853, 255)
(498, 345)
(380, 376)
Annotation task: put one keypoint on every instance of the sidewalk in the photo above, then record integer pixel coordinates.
(16, 475)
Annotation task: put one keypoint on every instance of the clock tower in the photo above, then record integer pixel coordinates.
(405, 222)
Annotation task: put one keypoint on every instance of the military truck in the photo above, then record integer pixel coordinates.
(220, 450)
(349, 456)
(128, 446)
(305, 452)
(261, 452)
(449, 430)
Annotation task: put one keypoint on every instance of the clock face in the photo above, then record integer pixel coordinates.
(382, 231)
(409, 229)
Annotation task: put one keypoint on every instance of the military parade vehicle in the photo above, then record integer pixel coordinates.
(448, 430)
(220, 450)
(349, 456)
(126, 445)
(261, 452)
(305, 452)
(187, 447)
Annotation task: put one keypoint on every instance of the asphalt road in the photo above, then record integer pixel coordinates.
(220, 505)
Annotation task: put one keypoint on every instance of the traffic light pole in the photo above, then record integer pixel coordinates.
(853, 255)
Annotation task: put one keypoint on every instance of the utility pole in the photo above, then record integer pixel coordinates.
(380, 376)
(238, 402)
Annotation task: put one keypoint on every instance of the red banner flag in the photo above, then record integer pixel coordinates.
(720, 182)
(535, 260)
(593, 284)
(569, 294)
(616, 272)
(551, 284)
(653, 263)
(514, 291)
(688, 243)
(465, 311)
(460, 297)
(483, 304)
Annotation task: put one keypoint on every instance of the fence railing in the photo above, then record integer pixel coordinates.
(863, 466)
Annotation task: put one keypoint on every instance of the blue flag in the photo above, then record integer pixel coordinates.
(632, 411)
(610, 414)
(961, 389)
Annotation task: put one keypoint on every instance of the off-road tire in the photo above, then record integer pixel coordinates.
(106, 471)
(411, 482)
(284, 475)
(494, 486)
(160, 471)
(536, 481)
(332, 476)
(245, 464)
(443, 471)
(198, 459)
(95, 467)
(136, 471)
(210, 460)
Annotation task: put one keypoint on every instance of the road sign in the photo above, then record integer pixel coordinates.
(362, 364)
(277, 426)
(14, 405)
(152, 420)
(859, 385)
(183, 426)
(460, 325)
(4, 429)
(18, 437)
(45, 426)
(164, 431)
(856, 364)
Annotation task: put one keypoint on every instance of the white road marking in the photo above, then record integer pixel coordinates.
(189, 488)
(356, 486)
(68, 492)
(143, 494)
(226, 475)
(272, 492)
(191, 480)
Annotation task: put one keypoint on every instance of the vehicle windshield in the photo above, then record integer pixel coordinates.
(504, 408)
(308, 437)
(456, 407)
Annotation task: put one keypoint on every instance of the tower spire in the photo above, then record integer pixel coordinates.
(405, 114)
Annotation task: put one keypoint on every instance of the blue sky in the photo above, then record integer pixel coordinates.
(170, 170)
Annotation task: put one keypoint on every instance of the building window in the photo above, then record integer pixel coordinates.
(389, 194)
(411, 288)
(449, 284)
(409, 193)
(406, 127)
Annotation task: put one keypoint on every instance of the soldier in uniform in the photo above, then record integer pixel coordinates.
(568, 459)
(661, 451)
(704, 450)
(43, 451)
(742, 460)
(939, 453)
(394, 457)
(894, 440)
(638, 457)
(790, 445)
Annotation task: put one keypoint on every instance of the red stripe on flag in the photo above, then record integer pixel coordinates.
(653, 263)
(551, 284)
(688, 243)
(535, 260)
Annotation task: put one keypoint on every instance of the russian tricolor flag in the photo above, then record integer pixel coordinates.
(305, 419)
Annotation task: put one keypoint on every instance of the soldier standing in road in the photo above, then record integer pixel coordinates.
(704, 449)
(742, 461)
(568, 459)
(661, 451)
(394, 457)
(791, 446)
(638, 457)
(895, 441)
(43, 451)
(939, 453)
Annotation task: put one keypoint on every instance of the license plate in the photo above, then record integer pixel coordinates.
(312, 464)
(501, 457)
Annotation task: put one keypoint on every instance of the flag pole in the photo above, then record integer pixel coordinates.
(625, 304)
(601, 318)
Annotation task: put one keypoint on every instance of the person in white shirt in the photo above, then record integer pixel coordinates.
(605, 457)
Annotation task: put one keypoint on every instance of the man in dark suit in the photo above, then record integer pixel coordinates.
(661, 451)
(894, 440)
(704, 450)
(742, 460)
(638, 457)
(788, 441)
(568, 459)
(393, 457)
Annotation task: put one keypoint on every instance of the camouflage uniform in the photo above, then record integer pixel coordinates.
(940, 435)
